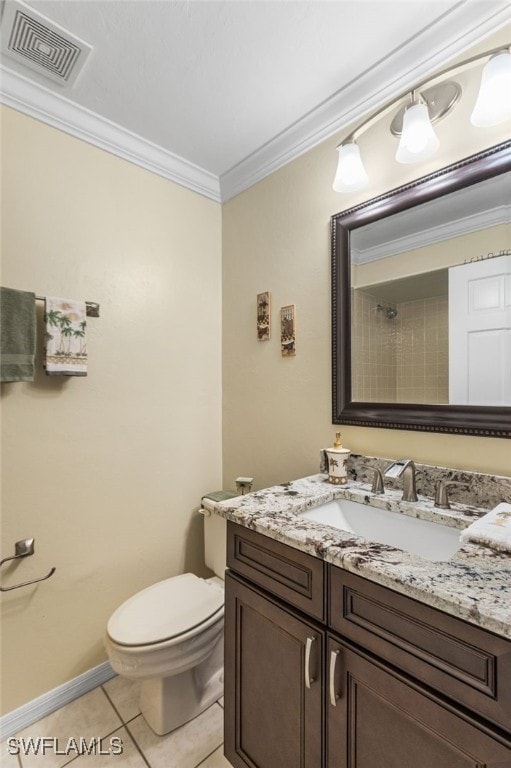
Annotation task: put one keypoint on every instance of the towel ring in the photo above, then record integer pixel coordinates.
(24, 548)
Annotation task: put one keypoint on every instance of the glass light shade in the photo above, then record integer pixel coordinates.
(351, 175)
(493, 104)
(418, 139)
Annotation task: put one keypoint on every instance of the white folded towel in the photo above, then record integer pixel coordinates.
(493, 530)
(65, 340)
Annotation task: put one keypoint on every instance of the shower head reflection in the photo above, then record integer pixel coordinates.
(390, 312)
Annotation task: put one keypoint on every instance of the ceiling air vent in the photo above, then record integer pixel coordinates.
(33, 40)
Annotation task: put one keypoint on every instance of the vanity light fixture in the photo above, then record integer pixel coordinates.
(493, 104)
(420, 109)
(418, 139)
(351, 174)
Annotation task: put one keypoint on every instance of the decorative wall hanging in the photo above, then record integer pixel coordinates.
(288, 330)
(263, 316)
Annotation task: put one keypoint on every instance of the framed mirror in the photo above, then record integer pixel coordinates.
(421, 303)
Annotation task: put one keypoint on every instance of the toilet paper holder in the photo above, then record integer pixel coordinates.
(24, 548)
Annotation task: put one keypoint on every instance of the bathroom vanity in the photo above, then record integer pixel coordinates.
(341, 652)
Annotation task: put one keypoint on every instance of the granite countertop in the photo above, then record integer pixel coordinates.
(474, 585)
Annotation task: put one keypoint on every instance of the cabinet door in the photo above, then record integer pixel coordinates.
(273, 689)
(377, 718)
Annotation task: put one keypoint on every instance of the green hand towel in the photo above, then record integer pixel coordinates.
(17, 335)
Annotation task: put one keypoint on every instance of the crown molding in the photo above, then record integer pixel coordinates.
(468, 24)
(53, 109)
(435, 234)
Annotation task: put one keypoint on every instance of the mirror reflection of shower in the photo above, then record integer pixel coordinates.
(390, 312)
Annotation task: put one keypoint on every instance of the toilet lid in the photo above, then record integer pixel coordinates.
(165, 610)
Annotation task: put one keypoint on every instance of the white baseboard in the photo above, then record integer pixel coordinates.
(34, 710)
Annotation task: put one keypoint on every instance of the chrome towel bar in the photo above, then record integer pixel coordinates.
(24, 548)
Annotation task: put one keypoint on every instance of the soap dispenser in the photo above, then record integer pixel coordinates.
(337, 459)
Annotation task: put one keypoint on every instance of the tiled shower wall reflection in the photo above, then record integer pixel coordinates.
(404, 358)
(374, 367)
(423, 351)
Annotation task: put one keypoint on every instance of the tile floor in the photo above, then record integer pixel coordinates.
(111, 713)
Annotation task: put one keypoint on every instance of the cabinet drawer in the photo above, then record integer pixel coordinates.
(466, 663)
(288, 573)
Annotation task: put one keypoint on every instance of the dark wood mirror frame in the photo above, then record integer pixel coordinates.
(461, 419)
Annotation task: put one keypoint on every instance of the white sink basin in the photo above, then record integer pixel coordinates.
(420, 537)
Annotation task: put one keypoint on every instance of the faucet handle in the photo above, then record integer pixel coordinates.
(378, 486)
(441, 495)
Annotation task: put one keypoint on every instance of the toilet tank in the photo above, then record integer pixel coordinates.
(215, 548)
(215, 533)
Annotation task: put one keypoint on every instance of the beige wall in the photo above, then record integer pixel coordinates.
(277, 411)
(105, 472)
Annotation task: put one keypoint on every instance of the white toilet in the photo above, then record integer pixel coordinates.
(170, 636)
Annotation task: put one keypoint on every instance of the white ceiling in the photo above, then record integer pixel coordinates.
(215, 95)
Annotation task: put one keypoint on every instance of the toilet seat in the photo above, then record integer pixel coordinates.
(142, 620)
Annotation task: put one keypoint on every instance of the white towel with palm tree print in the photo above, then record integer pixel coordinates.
(493, 529)
(65, 339)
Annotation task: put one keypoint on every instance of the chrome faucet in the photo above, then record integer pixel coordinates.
(404, 468)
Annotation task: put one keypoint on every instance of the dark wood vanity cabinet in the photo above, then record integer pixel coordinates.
(333, 683)
(273, 683)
